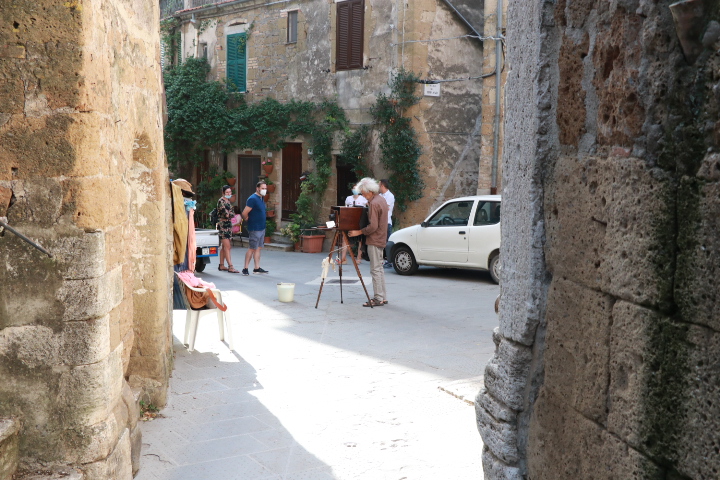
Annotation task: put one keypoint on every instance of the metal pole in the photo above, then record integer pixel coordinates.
(5, 225)
(496, 126)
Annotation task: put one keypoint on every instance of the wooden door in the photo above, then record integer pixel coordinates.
(249, 168)
(291, 171)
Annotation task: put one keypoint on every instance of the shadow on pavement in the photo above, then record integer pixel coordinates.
(215, 428)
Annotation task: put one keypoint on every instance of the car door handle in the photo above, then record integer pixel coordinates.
(461, 232)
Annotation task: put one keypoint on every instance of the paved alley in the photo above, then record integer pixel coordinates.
(339, 392)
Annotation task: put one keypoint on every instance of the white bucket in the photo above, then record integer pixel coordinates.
(286, 292)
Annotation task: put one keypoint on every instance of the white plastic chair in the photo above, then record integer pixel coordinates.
(193, 317)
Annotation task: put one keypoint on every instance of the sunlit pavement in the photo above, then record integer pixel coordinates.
(341, 392)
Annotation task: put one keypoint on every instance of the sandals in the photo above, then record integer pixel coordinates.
(231, 269)
(373, 303)
(222, 269)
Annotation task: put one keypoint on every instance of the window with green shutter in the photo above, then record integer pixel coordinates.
(237, 62)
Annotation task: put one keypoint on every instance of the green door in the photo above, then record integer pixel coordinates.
(237, 62)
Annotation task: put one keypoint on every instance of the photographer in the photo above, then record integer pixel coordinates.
(375, 237)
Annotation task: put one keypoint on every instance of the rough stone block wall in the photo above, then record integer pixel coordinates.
(82, 173)
(608, 352)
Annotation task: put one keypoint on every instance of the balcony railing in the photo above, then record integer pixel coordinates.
(169, 7)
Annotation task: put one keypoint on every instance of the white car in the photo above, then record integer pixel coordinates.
(463, 233)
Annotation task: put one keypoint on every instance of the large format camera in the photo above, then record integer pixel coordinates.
(349, 218)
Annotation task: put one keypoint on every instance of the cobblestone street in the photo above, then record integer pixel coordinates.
(341, 392)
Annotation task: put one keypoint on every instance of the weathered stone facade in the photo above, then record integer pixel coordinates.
(397, 34)
(608, 359)
(82, 173)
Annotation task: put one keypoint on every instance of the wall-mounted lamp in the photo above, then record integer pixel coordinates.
(269, 154)
(309, 151)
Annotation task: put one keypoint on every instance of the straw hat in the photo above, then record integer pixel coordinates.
(184, 185)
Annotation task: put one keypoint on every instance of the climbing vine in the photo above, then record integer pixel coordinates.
(203, 115)
(399, 146)
(355, 148)
(171, 40)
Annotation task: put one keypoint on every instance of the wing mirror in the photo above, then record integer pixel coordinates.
(424, 224)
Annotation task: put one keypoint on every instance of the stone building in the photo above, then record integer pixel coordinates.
(608, 351)
(310, 51)
(84, 334)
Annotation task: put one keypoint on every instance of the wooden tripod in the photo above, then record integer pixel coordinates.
(341, 235)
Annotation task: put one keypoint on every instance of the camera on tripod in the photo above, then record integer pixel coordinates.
(349, 218)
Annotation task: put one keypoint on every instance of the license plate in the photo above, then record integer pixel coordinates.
(206, 251)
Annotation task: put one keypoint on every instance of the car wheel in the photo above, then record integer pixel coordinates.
(404, 261)
(494, 268)
(199, 265)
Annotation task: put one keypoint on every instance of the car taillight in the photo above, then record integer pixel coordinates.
(213, 250)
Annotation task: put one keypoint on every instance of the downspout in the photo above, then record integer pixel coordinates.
(496, 126)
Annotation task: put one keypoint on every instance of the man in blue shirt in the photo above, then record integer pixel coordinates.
(254, 215)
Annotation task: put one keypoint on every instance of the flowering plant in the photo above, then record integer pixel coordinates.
(267, 161)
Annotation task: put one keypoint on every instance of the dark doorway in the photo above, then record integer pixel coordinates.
(345, 179)
(249, 168)
(291, 171)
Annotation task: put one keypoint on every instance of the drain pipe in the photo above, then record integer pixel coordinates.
(496, 127)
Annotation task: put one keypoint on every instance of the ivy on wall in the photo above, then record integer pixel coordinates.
(399, 146)
(203, 115)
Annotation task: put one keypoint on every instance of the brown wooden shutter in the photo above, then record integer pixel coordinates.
(349, 44)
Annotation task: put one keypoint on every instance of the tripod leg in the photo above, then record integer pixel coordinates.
(341, 292)
(357, 269)
(332, 247)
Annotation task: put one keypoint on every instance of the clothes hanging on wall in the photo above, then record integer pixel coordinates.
(180, 225)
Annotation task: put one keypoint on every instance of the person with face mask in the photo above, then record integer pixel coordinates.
(224, 228)
(254, 214)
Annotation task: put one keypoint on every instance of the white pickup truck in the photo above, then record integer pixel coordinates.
(208, 245)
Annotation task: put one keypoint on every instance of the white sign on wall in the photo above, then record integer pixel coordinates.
(432, 89)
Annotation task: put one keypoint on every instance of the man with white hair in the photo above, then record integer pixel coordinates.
(375, 237)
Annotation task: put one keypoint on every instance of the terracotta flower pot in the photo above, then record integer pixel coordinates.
(268, 169)
(232, 199)
(231, 181)
(312, 243)
(270, 213)
(268, 239)
(271, 188)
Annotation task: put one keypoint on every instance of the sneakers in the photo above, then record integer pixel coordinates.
(387, 265)
(259, 270)
(245, 271)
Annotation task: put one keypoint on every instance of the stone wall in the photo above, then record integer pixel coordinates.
(608, 353)
(82, 173)
(448, 126)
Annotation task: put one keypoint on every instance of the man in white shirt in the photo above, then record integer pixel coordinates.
(390, 199)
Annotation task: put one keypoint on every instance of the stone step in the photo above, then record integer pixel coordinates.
(9, 447)
(283, 247)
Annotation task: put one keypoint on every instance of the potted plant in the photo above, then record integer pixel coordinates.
(270, 212)
(292, 230)
(270, 227)
(270, 185)
(267, 165)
